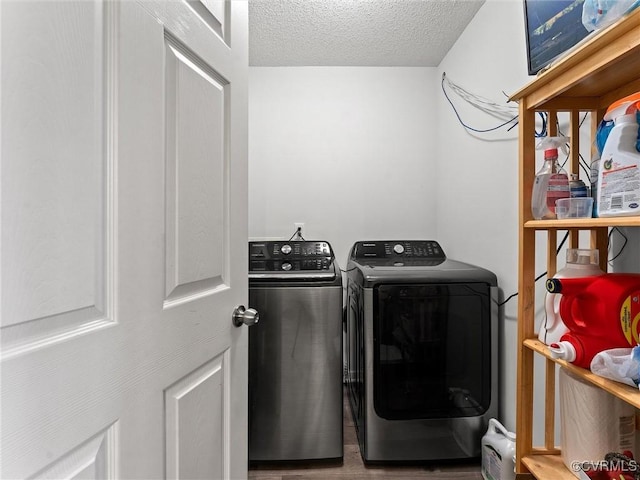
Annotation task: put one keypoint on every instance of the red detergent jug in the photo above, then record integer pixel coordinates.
(600, 312)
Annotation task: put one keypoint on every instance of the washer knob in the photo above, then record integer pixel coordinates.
(286, 249)
(398, 248)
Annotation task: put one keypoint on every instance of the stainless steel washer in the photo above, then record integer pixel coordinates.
(295, 352)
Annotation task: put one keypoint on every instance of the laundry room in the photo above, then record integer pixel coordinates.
(377, 152)
(320, 239)
(359, 150)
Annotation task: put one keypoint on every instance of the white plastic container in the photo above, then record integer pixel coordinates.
(580, 263)
(619, 175)
(498, 453)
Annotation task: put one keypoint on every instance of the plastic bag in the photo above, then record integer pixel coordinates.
(619, 364)
(601, 13)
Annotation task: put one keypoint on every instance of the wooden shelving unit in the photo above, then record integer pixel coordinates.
(601, 70)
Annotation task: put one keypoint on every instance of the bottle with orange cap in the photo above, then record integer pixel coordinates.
(618, 186)
(551, 182)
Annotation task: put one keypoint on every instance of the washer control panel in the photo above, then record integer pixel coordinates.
(418, 249)
(285, 256)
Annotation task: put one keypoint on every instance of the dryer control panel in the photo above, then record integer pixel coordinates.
(273, 256)
(390, 249)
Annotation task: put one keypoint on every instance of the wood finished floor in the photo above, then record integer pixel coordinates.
(353, 468)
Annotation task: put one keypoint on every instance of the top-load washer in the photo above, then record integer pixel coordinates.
(422, 352)
(295, 352)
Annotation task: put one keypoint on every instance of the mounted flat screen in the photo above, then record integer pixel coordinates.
(552, 27)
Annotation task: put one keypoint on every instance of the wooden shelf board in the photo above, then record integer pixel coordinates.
(625, 392)
(548, 467)
(583, 223)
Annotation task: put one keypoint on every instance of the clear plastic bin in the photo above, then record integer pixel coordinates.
(577, 207)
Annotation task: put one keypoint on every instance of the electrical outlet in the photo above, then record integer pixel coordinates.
(299, 228)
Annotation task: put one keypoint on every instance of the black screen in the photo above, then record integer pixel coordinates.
(552, 27)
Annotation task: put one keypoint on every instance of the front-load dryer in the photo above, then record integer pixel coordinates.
(422, 358)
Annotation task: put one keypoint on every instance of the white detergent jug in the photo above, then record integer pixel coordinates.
(619, 174)
(580, 263)
(498, 453)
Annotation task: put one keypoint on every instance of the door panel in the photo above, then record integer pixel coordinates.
(123, 239)
(94, 459)
(213, 13)
(56, 279)
(196, 433)
(196, 172)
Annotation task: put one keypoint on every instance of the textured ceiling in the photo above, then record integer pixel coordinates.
(355, 32)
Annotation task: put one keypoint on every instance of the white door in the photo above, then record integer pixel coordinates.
(123, 239)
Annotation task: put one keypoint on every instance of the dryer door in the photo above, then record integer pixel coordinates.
(432, 350)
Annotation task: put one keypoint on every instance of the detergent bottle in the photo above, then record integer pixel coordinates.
(551, 182)
(580, 263)
(498, 452)
(600, 312)
(619, 173)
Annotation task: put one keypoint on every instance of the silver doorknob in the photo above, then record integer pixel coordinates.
(245, 316)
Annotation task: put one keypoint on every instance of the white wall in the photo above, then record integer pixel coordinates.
(477, 198)
(349, 151)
